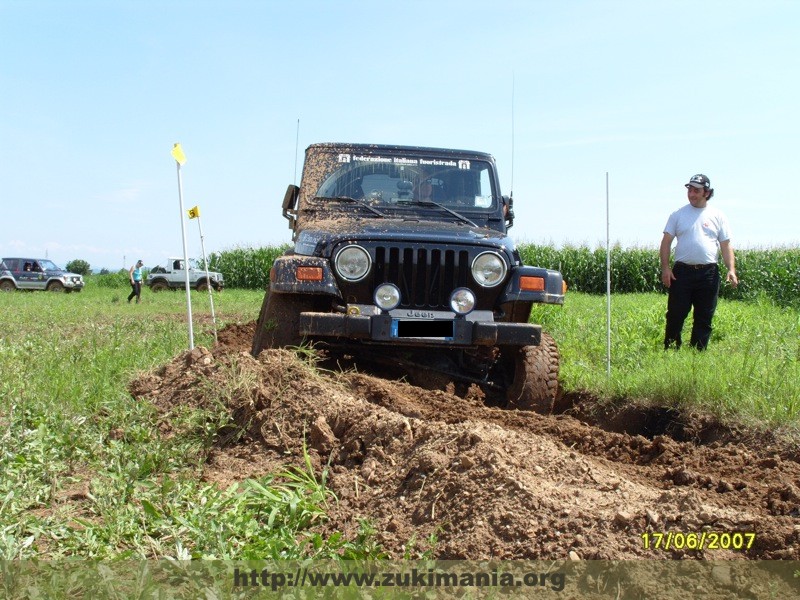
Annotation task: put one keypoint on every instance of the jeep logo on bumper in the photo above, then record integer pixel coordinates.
(419, 314)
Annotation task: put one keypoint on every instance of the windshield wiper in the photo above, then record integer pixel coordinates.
(354, 201)
(443, 207)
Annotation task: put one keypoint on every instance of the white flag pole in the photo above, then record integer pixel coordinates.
(177, 153)
(608, 284)
(208, 278)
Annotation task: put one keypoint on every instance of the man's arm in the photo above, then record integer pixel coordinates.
(666, 272)
(730, 262)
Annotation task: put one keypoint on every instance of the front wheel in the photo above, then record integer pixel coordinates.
(278, 324)
(55, 286)
(535, 382)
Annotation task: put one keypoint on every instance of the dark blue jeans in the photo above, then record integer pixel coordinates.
(136, 291)
(694, 286)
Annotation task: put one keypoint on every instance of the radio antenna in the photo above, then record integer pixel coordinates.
(512, 135)
(296, 150)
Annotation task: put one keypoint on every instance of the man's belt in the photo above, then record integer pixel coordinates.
(702, 266)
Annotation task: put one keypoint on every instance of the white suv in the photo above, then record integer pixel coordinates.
(172, 276)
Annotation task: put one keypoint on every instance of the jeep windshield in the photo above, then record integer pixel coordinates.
(359, 201)
(406, 181)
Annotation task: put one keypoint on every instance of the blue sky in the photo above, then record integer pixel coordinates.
(94, 93)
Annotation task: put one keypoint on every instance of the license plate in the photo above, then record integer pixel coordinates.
(407, 328)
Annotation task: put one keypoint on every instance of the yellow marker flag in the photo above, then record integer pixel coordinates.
(194, 212)
(177, 154)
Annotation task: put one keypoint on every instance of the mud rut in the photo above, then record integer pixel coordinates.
(488, 482)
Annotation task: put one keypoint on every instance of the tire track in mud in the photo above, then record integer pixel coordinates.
(489, 482)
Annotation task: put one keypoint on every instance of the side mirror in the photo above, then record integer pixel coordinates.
(508, 211)
(290, 205)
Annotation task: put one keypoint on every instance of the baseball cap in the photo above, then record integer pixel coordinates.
(699, 181)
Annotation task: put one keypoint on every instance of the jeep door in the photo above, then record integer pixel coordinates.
(29, 275)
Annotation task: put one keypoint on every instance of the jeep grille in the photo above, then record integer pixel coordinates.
(426, 276)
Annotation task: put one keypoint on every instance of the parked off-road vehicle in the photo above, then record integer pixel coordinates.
(401, 256)
(172, 277)
(37, 274)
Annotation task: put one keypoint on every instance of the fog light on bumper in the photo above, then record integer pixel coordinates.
(387, 296)
(462, 301)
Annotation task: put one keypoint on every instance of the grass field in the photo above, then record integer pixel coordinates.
(66, 361)
(750, 371)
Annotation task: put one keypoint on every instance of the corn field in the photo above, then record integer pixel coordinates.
(246, 268)
(771, 272)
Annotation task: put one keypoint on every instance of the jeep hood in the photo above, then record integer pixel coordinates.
(318, 239)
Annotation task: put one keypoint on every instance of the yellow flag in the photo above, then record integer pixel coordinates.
(177, 154)
(194, 212)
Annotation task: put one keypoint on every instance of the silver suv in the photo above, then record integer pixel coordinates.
(37, 274)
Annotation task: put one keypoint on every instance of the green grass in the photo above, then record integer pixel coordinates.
(85, 471)
(750, 371)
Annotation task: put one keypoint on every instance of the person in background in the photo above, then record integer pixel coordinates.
(135, 274)
(693, 280)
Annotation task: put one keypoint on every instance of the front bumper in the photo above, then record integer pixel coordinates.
(388, 329)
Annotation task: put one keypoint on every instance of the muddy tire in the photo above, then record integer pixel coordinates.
(55, 286)
(278, 322)
(159, 286)
(535, 383)
(202, 286)
(7, 286)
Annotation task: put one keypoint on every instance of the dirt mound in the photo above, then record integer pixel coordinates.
(487, 482)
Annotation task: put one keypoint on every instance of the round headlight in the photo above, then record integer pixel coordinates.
(353, 263)
(489, 269)
(462, 301)
(387, 296)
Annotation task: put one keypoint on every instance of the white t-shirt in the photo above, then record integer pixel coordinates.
(699, 232)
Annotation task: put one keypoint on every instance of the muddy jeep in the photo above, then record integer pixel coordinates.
(401, 256)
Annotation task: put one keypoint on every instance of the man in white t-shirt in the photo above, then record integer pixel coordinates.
(693, 280)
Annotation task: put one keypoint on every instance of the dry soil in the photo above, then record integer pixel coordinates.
(485, 481)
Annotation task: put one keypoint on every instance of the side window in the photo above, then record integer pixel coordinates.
(12, 264)
(483, 197)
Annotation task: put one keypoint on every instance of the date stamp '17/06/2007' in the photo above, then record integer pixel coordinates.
(698, 540)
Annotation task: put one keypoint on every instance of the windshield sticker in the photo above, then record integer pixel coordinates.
(403, 160)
